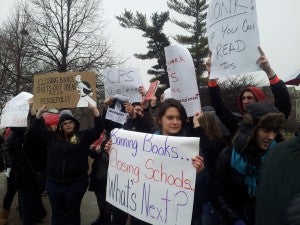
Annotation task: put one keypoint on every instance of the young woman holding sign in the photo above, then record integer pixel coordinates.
(172, 121)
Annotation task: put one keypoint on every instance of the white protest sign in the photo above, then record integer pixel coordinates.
(116, 116)
(233, 37)
(15, 112)
(152, 177)
(123, 82)
(167, 93)
(182, 78)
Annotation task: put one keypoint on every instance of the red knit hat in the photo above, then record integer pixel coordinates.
(257, 92)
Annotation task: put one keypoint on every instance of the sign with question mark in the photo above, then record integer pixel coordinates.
(152, 177)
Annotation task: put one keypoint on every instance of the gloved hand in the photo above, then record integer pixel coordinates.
(239, 222)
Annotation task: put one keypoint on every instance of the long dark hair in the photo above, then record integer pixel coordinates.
(168, 103)
(209, 124)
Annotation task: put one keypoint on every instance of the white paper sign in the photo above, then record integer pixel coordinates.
(15, 112)
(182, 78)
(167, 93)
(116, 116)
(123, 82)
(152, 177)
(233, 37)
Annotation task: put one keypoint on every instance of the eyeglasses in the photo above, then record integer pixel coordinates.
(67, 123)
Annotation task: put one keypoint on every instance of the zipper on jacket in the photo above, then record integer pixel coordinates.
(64, 162)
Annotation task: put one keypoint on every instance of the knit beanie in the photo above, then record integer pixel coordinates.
(257, 92)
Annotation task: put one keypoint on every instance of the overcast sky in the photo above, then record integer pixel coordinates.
(279, 28)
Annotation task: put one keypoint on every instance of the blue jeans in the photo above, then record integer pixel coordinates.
(65, 201)
(209, 216)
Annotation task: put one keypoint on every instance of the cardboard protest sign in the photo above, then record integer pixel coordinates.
(152, 177)
(123, 82)
(15, 112)
(65, 90)
(233, 37)
(182, 78)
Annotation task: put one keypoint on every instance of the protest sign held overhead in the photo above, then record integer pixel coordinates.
(150, 94)
(15, 112)
(167, 93)
(182, 78)
(123, 82)
(65, 90)
(233, 37)
(152, 177)
(116, 111)
(152, 90)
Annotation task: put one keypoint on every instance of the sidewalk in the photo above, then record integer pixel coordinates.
(89, 208)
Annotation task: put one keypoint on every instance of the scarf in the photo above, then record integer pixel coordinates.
(251, 172)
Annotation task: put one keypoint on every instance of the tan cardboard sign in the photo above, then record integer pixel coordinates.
(65, 90)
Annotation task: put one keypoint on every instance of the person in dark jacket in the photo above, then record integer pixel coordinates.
(98, 175)
(9, 152)
(211, 145)
(292, 213)
(238, 167)
(98, 178)
(67, 163)
(140, 118)
(248, 95)
(279, 183)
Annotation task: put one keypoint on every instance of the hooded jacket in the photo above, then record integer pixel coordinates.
(67, 158)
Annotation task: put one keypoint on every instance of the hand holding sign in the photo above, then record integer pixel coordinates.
(264, 63)
(198, 163)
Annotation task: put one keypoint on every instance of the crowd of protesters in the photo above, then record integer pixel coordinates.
(233, 171)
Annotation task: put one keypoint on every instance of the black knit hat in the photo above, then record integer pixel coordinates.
(258, 115)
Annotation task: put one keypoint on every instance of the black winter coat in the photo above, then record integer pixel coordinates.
(98, 173)
(231, 198)
(210, 149)
(279, 183)
(67, 160)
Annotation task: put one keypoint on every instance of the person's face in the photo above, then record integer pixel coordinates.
(137, 109)
(264, 138)
(171, 121)
(247, 98)
(68, 126)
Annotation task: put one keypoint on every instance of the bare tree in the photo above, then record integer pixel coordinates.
(232, 86)
(16, 64)
(67, 35)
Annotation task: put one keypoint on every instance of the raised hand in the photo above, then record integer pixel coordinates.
(264, 63)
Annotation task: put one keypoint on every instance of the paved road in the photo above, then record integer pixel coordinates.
(89, 208)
